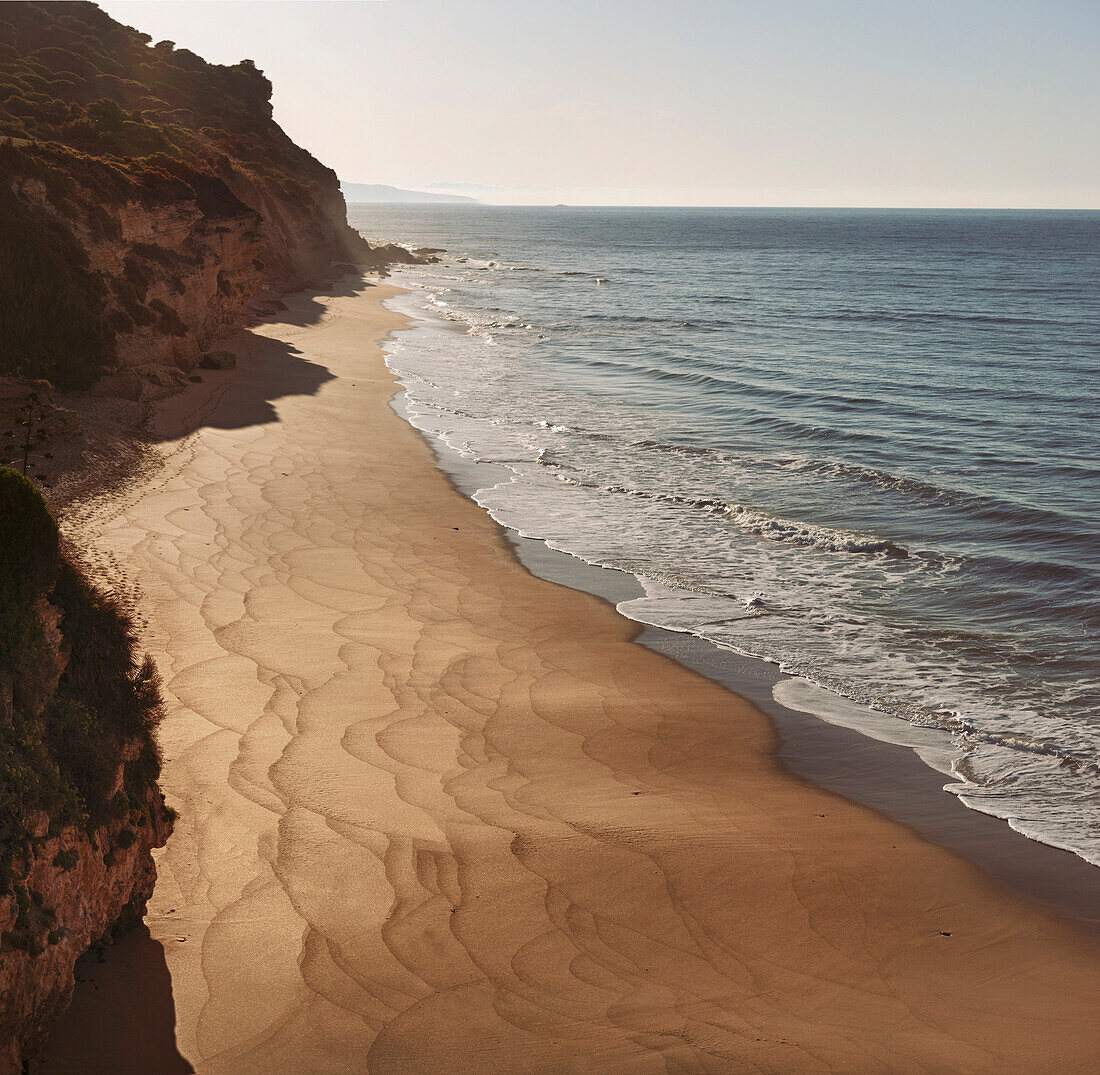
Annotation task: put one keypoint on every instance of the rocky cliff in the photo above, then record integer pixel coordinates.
(80, 809)
(74, 888)
(146, 198)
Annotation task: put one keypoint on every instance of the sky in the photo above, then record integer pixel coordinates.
(937, 103)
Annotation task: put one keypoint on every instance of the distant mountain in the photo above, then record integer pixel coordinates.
(380, 192)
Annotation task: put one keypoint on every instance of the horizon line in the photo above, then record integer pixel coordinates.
(475, 203)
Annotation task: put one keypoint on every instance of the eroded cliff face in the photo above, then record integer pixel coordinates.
(80, 807)
(304, 234)
(71, 890)
(176, 276)
(151, 192)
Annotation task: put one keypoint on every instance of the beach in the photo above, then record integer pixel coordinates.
(436, 813)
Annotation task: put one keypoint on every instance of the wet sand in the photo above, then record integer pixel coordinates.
(439, 814)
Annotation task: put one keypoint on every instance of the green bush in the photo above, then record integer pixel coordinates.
(28, 567)
(28, 540)
(86, 757)
(61, 749)
(103, 670)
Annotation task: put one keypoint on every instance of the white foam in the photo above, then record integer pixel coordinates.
(936, 748)
(706, 573)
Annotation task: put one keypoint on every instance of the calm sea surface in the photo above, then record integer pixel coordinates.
(860, 444)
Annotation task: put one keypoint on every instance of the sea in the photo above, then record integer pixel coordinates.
(861, 445)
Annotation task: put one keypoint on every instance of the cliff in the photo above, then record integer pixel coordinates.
(146, 198)
(80, 809)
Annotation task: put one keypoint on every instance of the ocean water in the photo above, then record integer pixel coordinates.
(859, 444)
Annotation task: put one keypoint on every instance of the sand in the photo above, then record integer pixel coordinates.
(437, 814)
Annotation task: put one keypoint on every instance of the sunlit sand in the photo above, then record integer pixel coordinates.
(439, 815)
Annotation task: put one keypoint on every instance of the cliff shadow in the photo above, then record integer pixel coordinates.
(306, 307)
(122, 1019)
(275, 369)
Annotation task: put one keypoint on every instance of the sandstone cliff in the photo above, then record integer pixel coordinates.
(74, 887)
(146, 198)
(80, 809)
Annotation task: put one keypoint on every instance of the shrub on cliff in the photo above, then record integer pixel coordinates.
(71, 699)
(103, 670)
(28, 540)
(28, 567)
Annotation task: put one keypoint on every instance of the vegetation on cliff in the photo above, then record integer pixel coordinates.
(80, 809)
(78, 709)
(145, 196)
(70, 74)
(50, 304)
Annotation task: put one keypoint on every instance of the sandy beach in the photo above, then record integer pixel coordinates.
(437, 814)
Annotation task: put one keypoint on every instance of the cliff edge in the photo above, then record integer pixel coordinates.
(80, 809)
(146, 198)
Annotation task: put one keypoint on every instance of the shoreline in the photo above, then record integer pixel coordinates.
(881, 773)
(552, 759)
(884, 776)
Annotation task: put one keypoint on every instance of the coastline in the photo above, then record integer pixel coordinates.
(880, 774)
(550, 766)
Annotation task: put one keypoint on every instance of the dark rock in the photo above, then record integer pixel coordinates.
(141, 383)
(218, 360)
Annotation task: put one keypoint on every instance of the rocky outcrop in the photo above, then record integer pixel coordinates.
(149, 196)
(218, 360)
(80, 809)
(71, 890)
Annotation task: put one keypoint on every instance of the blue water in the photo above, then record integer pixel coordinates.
(860, 444)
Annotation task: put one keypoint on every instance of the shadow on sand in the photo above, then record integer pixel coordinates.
(122, 1019)
(225, 401)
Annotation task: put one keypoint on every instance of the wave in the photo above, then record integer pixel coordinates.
(930, 316)
(1028, 524)
(770, 527)
(977, 506)
(809, 535)
(1042, 535)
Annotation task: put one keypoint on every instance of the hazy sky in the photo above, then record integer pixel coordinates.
(694, 102)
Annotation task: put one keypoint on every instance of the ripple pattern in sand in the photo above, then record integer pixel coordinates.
(437, 815)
